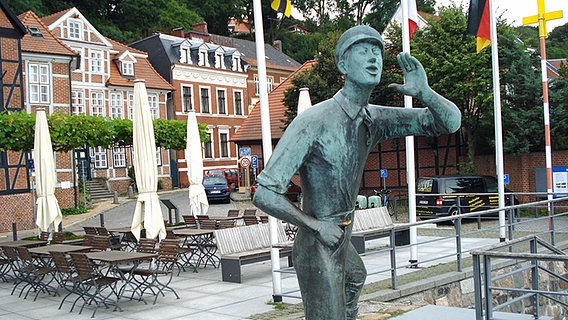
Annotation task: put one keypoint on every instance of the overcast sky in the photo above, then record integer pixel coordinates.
(515, 10)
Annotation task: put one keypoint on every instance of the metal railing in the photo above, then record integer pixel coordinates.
(511, 265)
(516, 227)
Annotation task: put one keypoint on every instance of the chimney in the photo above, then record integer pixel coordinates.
(178, 32)
(200, 27)
(277, 44)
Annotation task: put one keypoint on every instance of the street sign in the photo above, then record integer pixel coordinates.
(254, 162)
(506, 178)
(31, 164)
(244, 152)
(245, 162)
(384, 173)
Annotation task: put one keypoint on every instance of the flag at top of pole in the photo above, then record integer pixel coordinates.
(412, 18)
(282, 6)
(479, 22)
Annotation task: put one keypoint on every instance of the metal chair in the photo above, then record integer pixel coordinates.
(157, 277)
(190, 221)
(34, 273)
(249, 212)
(93, 285)
(65, 276)
(233, 213)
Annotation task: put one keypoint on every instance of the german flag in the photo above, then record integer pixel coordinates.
(282, 6)
(478, 23)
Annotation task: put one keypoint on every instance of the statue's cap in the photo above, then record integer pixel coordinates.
(357, 34)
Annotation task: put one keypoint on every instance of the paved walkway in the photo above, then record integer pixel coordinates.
(203, 295)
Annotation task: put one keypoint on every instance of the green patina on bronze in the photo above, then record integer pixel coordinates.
(328, 145)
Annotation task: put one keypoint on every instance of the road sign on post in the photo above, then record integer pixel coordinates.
(245, 162)
(384, 173)
(254, 162)
(244, 152)
(506, 178)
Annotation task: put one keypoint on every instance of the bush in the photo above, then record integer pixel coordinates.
(73, 211)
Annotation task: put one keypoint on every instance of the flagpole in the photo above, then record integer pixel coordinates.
(498, 122)
(266, 142)
(410, 164)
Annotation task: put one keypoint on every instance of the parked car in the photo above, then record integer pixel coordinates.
(232, 175)
(435, 196)
(217, 188)
(294, 192)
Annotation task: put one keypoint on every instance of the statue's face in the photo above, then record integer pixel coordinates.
(364, 63)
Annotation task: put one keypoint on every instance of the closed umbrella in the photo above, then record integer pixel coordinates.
(148, 213)
(304, 101)
(48, 212)
(197, 198)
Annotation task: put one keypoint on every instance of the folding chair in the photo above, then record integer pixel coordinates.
(190, 221)
(4, 267)
(157, 278)
(65, 276)
(249, 212)
(34, 273)
(208, 224)
(250, 220)
(90, 230)
(223, 224)
(57, 237)
(93, 285)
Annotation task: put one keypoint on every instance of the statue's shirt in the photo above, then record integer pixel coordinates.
(329, 143)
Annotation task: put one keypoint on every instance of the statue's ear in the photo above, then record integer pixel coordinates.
(341, 66)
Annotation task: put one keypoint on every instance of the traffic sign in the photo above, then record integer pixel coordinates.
(31, 164)
(244, 152)
(506, 178)
(245, 162)
(254, 162)
(384, 173)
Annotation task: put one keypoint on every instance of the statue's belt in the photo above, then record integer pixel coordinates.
(343, 219)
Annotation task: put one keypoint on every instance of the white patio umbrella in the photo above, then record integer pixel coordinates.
(48, 215)
(197, 198)
(148, 214)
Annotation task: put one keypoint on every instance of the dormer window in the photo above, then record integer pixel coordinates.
(127, 68)
(236, 63)
(219, 61)
(35, 32)
(75, 28)
(203, 57)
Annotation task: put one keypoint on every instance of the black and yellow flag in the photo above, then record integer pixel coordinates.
(283, 6)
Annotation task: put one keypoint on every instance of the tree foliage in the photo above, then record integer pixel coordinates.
(77, 131)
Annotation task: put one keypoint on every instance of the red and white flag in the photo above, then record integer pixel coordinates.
(412, 17)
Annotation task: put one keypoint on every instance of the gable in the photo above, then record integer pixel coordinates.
(73, 26)
(10, 25)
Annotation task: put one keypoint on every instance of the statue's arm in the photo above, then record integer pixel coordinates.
(278, 206)
(446, 115)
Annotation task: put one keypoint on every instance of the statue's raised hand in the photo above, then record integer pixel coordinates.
(415, 80)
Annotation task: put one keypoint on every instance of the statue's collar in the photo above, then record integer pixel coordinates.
(351, 109)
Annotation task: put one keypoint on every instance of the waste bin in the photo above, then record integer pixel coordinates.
(402, 237)
(361, 202)
(374, 202)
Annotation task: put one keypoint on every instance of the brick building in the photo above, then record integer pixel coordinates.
(213, 76)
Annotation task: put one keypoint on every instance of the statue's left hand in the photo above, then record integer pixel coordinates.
(415, 80)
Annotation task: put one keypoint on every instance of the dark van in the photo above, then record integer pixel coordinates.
(434, 195)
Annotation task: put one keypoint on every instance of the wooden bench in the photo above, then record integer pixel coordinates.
(246, 244)
(372, 224)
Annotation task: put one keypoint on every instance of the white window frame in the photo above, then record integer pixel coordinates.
(130, 105)
(210, 145)
(116, 105)
(224, 144)
(119, 157)
(97, 103)
(201, 100)
(184, 100)
(39, 83)
(158, 156)
(127, 68)
(222, 103)
(269, 84)
(78, 102)
(154, 106)
(203, 57)
(235, 102)
(236, 63)
(96, 61)
(219, 60)
(75, 29)
(100, 157)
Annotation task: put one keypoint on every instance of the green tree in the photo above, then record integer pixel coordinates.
(557, 43)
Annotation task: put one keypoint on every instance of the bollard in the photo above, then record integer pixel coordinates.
(115, 197)
(14, 231)
(102, 219)
(130, 192)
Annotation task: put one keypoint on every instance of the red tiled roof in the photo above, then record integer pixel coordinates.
(251, 127)
(142, 70)
(48, 43)
(49, 19)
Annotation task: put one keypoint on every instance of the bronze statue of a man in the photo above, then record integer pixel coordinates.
(328, 144)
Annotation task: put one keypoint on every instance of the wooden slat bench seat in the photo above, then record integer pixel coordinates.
(246, 244)
(372, 224)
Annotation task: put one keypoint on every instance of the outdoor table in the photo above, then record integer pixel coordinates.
(23, 243)
(63, 248)
(203, 239)
(126, 235)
